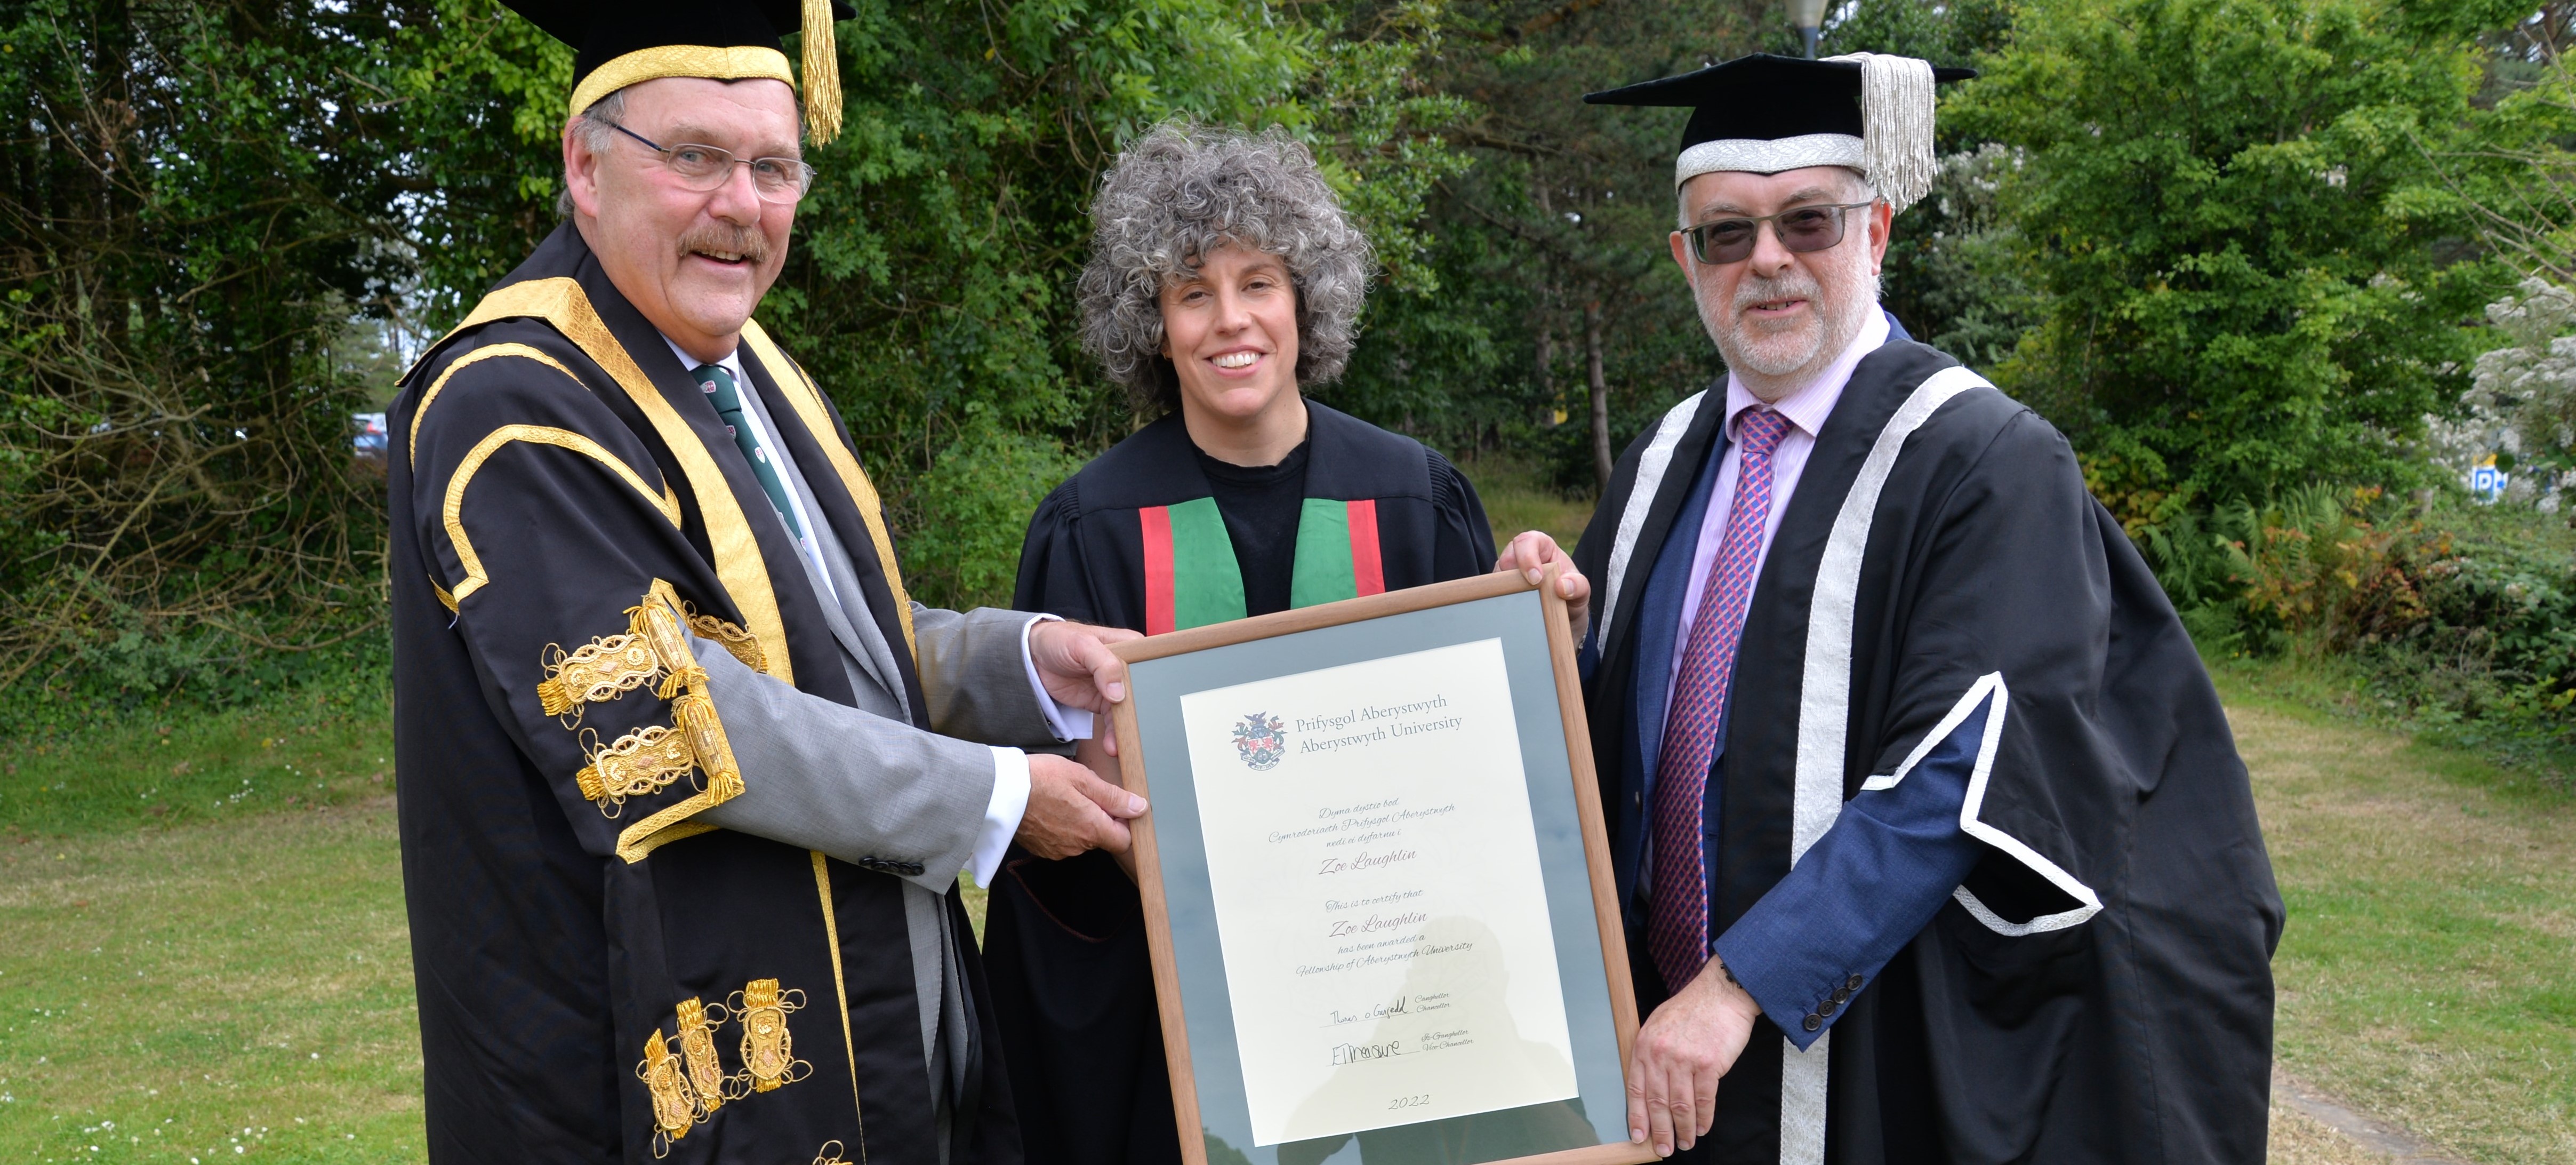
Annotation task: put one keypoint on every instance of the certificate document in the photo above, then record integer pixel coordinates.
(1378, 896)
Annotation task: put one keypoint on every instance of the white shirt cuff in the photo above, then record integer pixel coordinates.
(1002, 816)
(1066, 721)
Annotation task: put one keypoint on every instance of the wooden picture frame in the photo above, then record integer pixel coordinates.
(1586, 797)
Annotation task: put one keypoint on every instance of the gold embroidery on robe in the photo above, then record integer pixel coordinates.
(653, 647)
(599, 670)
(830, 1154)
(675, 1104)
(768, 1051)
(651, 759)
(698, 1048)
(562, 304)
(656, 621)
(639, 764)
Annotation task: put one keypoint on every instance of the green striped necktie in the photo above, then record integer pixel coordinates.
(719, 387)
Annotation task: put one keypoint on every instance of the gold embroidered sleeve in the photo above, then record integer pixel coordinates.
(654, 649)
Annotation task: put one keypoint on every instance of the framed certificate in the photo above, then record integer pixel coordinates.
(1376, 886)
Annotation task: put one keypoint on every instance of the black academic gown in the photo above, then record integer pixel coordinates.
(556, 938)
(1065, 940)
(2140, 1032)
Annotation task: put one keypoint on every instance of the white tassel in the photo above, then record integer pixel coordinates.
(1896, 126)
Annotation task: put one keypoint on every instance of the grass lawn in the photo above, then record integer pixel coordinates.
(202, 947)
(163, 770)
(234, 990)
(2428, 972)
(1518, 497)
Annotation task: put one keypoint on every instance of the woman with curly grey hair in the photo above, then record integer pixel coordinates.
(1224, 280)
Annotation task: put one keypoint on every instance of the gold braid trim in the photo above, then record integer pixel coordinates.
(675, 1104)
(830, 1154)
(653, 648)
(453, 513)
(461, 363)
(841, 988)
(768, 1050)
(721, 63)
(734, 639)
(562, 304)
(694, 715)
(658, 619)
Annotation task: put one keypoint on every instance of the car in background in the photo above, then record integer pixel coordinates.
(369, 443)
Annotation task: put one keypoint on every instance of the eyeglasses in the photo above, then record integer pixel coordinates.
(1801, 229)
(704, 168)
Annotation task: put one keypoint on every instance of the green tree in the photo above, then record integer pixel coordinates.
(192, 209)
(2253, 274)
(929, 290)
(1560, 326)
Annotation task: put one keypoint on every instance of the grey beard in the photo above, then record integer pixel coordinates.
(1841, 309)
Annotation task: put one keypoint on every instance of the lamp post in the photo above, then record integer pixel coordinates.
(1808, 17)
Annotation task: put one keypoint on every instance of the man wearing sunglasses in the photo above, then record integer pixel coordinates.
(687, 780)
(1930, 835)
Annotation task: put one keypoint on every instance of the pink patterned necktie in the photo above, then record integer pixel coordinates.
(1677, 925)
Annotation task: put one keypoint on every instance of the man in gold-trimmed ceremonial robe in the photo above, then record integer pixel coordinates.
(686, 780)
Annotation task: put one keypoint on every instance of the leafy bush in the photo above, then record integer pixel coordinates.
(2311, 570)
(2248, 261)
(974, 508)
(193, 205)
(2463, 618)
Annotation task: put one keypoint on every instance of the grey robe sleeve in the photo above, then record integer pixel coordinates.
(975, 678)
(852, 784)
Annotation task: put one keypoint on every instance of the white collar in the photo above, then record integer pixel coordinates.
(731, 363)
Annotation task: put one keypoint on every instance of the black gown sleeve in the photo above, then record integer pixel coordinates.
(545, 522)
(2014, 584)
(1053, 578)
(1465, 543)
(2122, 872)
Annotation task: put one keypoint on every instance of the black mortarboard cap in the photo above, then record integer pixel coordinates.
(1766, 113)
(625, 42)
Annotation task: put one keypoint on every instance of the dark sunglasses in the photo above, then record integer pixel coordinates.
(1801, 229)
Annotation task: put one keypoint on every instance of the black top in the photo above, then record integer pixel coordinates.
(1262, 505)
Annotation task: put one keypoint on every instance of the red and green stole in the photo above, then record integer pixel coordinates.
(1192, 579)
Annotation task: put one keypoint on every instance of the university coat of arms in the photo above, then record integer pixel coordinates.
(1261, 740)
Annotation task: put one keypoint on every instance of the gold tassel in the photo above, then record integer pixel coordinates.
(822, 74)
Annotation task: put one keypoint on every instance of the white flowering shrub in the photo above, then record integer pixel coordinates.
(2522, 401)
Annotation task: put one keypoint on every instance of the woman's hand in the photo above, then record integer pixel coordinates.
(1529, 553)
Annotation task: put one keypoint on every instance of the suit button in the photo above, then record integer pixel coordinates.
(1853, 982)
(1813, 1022)
(1827, 1007)
(1841, 994)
